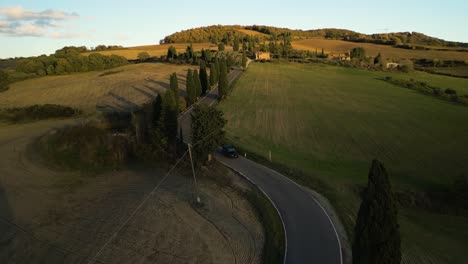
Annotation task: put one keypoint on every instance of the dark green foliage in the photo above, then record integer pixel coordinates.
(378, 59)
(206, 55)
(423, 87)
(221, 46)
(190, 53)
(4, 79)
(67, 60)
(204, 78)
(169, 116)
(377, 236)
(174, 86)
(235, 46)
(230, 62)
(244, 59)
(84, 147)
(223, 79)
(207, 130)
(171, 53)
(450, 91)
(37, 112)
(191, 90)
(157, 111)
(213, 74)
(197, 84)
(143, 56)
(358, 53)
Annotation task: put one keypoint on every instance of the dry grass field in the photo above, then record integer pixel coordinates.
(330, 122)
(49, 216)
(116, 89)
(131, 53)
(340, 46)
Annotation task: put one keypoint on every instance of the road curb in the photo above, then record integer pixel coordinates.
(271, 201)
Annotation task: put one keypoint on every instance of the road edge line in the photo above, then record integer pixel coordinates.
(316, 201)
(271, 201)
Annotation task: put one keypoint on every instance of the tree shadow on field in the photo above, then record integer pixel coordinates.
(7, 228)
(150, 96)
(164, 85)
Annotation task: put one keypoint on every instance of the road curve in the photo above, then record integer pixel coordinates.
(310, 233)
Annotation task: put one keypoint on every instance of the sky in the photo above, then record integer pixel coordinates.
(35, 27)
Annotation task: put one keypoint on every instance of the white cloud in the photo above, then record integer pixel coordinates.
(16, 21)
(18, 13)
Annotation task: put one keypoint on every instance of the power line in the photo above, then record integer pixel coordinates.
(112, 237)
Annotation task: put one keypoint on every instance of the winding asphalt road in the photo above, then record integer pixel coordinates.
(310, 234)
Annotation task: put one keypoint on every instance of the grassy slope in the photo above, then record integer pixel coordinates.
(340, 46)
(131, 53)
(330, 122)
(128, 85)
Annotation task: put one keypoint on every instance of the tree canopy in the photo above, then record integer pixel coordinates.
(207, 130)
(377, 237)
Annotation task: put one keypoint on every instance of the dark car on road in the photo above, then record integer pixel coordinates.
(229, 151)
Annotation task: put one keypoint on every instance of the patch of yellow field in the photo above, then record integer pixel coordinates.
(123, 89)
(131, 53)
(340, 46)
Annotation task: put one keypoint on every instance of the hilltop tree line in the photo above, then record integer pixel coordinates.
(212, 34)
(68, 60)
(226, 34)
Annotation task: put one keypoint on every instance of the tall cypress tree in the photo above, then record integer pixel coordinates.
(223, 80)
(235, 46)
(376, 236)
(169, 116)
(190, 89)
(204, 78)
(213, 74)
(197, 83)
(174, 86)
(244, 59)
(157, 111)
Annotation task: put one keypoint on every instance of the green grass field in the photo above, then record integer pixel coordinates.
(330, 122)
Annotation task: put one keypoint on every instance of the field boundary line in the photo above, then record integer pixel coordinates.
(271, 201)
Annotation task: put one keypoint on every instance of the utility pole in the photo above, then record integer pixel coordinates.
(193, 172)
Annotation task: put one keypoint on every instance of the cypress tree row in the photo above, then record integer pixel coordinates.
(157, 111)
(197, 84)
(244, 59)
(169, 116)
(376, 236)
(213, 74)
(174, 86)
(190, 89)
(204, 78)
(223, 81)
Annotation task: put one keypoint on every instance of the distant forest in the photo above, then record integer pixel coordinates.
(227, 34)
(63, 61)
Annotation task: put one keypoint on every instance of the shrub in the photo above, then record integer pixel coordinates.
(450, 91)
(37, 112)
(84, 147)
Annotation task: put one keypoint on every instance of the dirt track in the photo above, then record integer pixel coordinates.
(63, 217)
